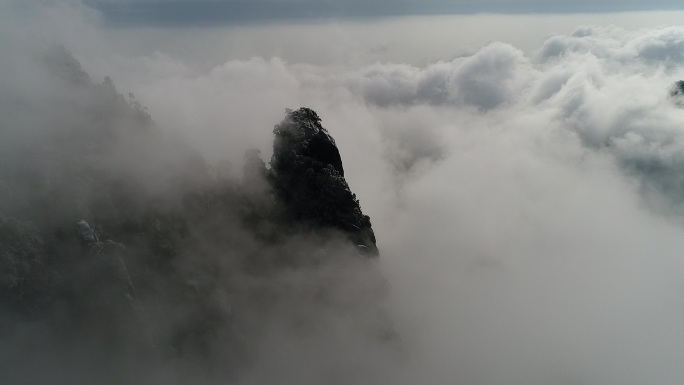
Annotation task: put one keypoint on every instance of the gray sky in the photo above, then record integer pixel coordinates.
(185, 13)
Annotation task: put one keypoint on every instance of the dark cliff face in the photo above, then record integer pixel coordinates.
(308, 178)
(301, 132)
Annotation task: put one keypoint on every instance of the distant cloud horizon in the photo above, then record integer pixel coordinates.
(198, 13)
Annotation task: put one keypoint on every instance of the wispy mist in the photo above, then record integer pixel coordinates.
(527, 204)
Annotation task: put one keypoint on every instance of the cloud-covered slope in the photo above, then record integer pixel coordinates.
(122, 250)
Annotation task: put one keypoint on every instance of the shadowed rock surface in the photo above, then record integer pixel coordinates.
(308, 178)
(677, 92)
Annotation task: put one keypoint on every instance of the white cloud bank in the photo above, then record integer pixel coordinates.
(518, 198)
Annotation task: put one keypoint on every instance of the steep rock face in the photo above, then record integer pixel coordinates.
(308, 178)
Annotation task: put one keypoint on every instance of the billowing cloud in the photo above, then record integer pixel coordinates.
(508, 192)
(491, 77)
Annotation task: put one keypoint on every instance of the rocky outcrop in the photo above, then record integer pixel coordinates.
(86, 233)
(677, 92)
(308, 179)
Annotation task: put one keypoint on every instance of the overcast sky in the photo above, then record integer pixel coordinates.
(178, 13)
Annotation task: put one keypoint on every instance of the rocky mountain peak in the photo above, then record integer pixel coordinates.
(308, 179)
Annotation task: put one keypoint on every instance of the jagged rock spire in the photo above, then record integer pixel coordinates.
(309, 179)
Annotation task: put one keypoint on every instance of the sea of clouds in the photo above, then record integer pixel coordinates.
(527, 203)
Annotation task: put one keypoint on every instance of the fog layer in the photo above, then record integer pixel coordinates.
(527, 203)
